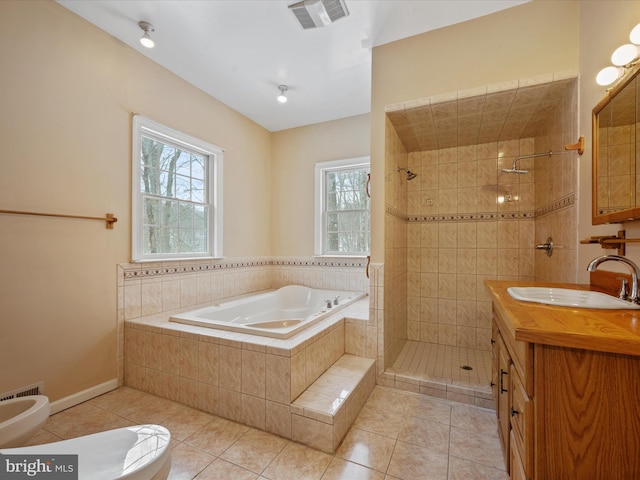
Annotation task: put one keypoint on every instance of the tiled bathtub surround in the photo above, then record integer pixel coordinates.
(253, 380)
(151, 288)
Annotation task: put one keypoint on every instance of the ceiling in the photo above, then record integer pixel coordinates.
(239, 51)
(511, 114)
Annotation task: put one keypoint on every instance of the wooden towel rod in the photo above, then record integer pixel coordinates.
(110, 218)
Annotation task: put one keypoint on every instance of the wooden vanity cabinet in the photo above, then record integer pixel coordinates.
(512, 400)
(568, 413)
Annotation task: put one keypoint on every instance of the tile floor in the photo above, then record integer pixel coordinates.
(398, 435)
(429, 360)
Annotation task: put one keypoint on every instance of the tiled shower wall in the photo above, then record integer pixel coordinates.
(467, 222)
(556, 180)
(395, 244)
(150, 288)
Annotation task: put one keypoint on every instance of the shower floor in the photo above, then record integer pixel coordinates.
(443, 364)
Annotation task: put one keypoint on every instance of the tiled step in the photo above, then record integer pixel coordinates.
(323, 413)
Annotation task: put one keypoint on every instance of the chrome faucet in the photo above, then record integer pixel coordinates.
(633, 268)
(336, 300)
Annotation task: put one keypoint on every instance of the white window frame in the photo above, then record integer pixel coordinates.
(213, 175)
(320, 236)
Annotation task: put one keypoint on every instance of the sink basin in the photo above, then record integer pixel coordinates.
(565, 297)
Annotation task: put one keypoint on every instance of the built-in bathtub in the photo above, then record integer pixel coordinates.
(278, 314)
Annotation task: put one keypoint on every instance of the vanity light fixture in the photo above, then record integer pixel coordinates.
(282, 98)
(146, 39)
(623, 58)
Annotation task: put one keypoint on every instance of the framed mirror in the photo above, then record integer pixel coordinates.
(616, 179)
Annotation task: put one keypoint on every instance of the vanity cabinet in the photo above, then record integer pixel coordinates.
(512, 401)
(566, 412)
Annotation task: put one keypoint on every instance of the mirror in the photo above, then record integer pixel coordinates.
(616, 183)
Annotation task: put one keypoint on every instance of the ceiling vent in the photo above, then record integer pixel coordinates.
(318, 13)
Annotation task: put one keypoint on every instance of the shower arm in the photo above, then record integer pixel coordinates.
(533, 155)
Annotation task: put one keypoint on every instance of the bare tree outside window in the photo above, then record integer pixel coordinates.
(347, 216)
(173, 186)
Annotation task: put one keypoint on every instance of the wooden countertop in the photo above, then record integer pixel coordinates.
(615, 331)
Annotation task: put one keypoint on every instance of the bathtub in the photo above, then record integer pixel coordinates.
(280, 313)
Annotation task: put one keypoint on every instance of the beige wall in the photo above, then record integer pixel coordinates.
(294, 153)
(525, 41)
(68, 92)
(604, 26)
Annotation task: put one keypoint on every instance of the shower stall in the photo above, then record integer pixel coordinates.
(456, 215)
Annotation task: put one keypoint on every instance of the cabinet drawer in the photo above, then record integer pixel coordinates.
(521, 413)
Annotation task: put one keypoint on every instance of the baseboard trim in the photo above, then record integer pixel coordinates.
(83, 396)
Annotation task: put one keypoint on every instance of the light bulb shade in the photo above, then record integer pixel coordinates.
(634, 36)
(608, 75)
(624, 54)
(147, 41)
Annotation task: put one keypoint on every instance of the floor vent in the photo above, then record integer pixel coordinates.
(35, 389)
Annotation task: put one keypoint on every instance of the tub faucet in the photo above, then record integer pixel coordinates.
(335, 300)
(328, 303)
(633, 268)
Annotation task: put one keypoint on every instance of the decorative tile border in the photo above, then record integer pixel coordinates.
(472, 217)
(133, 270)
(560, 204)
(395, 212)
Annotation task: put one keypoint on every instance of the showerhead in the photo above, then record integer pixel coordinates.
(410, 174)
(514, 168)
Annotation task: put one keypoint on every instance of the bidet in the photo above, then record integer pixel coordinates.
(21, 418)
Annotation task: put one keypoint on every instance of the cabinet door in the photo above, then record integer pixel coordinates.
(504, 397)
(516, 469)
(495, 364)
(521, 413)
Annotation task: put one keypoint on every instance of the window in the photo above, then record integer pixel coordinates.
(177, 194)
(342, 207)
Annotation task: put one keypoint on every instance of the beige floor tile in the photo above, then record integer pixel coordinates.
(255, 450)
(376, 421)
(432, 435)
(187, 462)
(385, 399)
(83, 419)
(186, 422)
(413, 462)
(367, 448)
(216, 436)
(42, 436)
(223, 470)
(424, 406)
(137, 406)
(297, 462)
(476, 447)
(460, 469)
(474, 419)
(340, 469)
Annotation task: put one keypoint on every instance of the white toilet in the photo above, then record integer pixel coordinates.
(139, 452)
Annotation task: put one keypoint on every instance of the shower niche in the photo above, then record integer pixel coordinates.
(489, 179)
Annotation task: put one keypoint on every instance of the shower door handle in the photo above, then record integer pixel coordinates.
(367, 185)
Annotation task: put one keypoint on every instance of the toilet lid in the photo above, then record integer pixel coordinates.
(115, 454)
